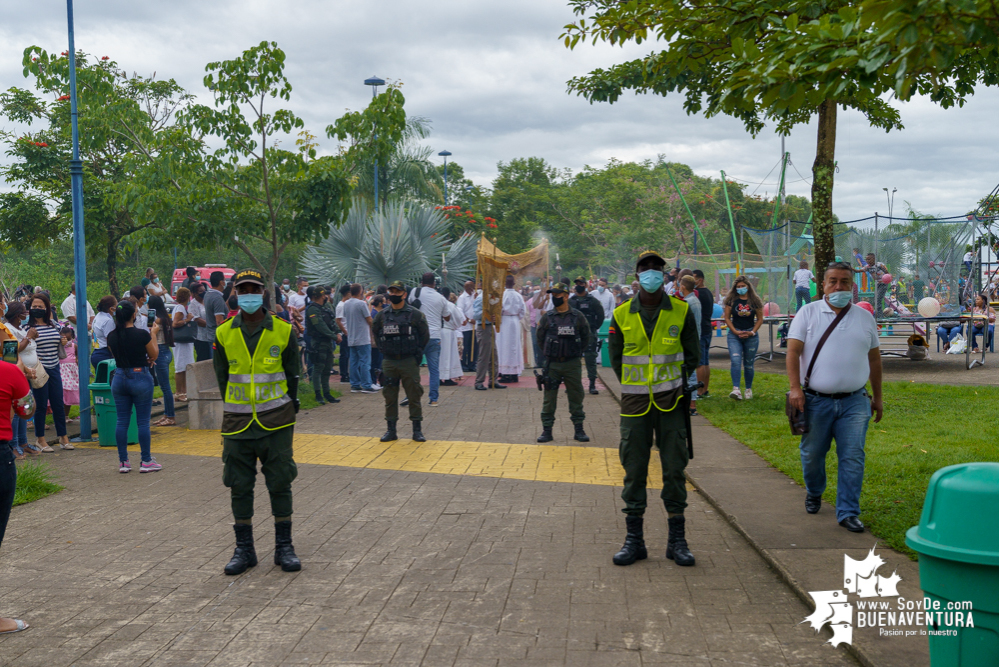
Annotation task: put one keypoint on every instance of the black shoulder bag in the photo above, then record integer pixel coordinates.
(796, 418)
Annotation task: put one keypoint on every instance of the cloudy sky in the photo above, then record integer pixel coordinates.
(491, 75)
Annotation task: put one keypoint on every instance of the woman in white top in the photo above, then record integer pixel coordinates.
(183, 350)
(803, 279)
(103, 325)
(27, 361)
(155, 287)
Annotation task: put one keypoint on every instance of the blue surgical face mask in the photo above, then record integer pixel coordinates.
(250, 303)
(742, 290)
(839, 299)
(651, 280)
(156, 281)
(600, 288)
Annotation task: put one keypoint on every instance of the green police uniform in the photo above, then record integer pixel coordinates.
(649, 414)
(563, 337)
(401, 334)
(322, 339)
(254, 433)
(593, 310)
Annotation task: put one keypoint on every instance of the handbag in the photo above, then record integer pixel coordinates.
(184, 334)
(796, 418)
(41, 376)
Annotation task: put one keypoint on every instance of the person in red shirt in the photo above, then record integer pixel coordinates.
(15, 395)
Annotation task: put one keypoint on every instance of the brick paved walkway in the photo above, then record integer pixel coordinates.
(401, 566)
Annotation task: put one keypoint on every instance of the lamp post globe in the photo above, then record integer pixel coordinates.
(374, 82)
(445, 154)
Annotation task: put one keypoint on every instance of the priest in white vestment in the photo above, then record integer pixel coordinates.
(509, 339)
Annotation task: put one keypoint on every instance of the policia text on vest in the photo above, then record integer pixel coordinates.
(654, 347)
(256, 361)
(563, 336)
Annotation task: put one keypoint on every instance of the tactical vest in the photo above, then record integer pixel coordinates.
(563, 339)
(256, 384)
(584, 304)
(398, 336)
(651, 366)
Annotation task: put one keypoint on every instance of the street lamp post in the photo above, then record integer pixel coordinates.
(891, 201)
(79, 245)
(445, 155)
(374, 82)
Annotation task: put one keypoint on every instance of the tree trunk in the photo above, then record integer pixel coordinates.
(112, 259)
(823, 175)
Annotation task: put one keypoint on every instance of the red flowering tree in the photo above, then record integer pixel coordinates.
(462, 220)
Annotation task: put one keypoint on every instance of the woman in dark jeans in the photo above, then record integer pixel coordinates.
(164, 341)
(744, 317)
(48, 341)
(134, 352)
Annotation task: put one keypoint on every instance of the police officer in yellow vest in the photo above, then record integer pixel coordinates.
(653, 346)
(257, 365)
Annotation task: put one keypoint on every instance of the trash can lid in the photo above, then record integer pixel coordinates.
(960, 519)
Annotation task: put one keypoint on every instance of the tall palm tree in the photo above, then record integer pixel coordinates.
(402, 241)
(409, 172)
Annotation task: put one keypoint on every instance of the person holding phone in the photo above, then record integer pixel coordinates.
(50, 346)
(23, 349)
(134, 350)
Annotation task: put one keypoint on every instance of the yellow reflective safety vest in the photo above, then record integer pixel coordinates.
(651, 366)
(256, 384)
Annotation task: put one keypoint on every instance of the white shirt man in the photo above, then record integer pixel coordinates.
(434, 306)
(509, 341)
(605, 297)
(69, 309)
(296, 301)
(835, 401)
(465, 301)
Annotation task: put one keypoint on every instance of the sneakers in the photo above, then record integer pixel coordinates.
(124, 466)
(748, 395)
(150, 466)
(356, 390)
(736, 394)
(434, 404)
(376, 386)
(369, 390)
(706, 394)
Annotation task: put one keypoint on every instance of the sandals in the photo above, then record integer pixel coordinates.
(46, 449)
(67, 446)
(34, 449)
(19, 625)
(182, 398)
(166, 421)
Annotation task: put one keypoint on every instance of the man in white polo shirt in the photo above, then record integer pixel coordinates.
(835, 401)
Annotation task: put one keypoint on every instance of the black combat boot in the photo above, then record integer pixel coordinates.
(284, 553)
(418, 432)
(634, 543)
(244, 556)
(330, 398)
(676, 546)
(593, 387)
(319, 399)
(390, 433)
(581, 434)
(546, 434)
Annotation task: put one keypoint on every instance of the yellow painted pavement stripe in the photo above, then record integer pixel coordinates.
(541, 463)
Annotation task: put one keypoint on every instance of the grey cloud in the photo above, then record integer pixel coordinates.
(492, 74)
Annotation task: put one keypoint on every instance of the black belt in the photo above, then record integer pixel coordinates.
(833, 396)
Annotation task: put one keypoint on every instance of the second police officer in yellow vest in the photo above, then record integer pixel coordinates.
(653, 346)
(257, 366)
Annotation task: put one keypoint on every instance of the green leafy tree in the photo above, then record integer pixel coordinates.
(250, 187)
(127, 131)
(755, 61)
(518, 196)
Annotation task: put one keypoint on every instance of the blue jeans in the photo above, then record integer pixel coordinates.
(801, 295)
(705, 348)
(163, 377)
(433, 354)
(742, 353)
(132, 388)
(19, 427)
(988, 337)
(50, 394)
(8, 484)
(99, 355)
(846, 420)
(360, 367)
(947, 334)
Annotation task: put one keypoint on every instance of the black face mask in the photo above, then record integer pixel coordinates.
(558, 301)
(395, 298)
(38, 313)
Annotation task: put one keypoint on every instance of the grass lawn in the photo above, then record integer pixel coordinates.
(34, 481)
(925, 427)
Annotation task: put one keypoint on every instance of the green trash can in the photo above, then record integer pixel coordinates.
(958, 544)
(602, 336)
(107, 415)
